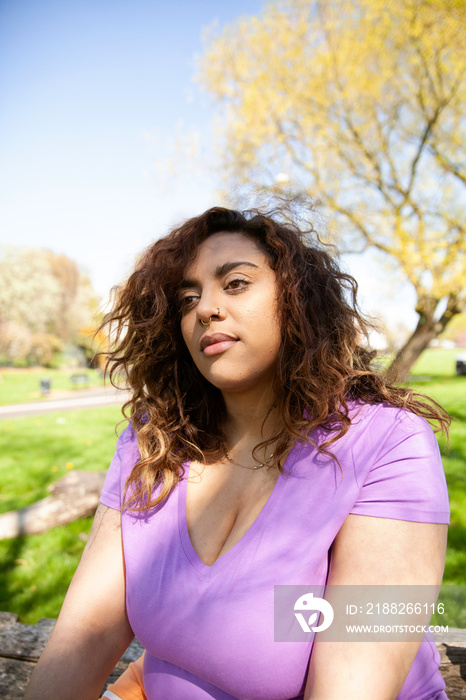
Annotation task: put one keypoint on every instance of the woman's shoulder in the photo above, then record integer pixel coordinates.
(127, 449)
(125, 457)
(376, 430)
(382, 428)
(128, 436)
(384, 418)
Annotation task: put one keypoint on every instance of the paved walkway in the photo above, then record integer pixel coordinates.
(82, 398)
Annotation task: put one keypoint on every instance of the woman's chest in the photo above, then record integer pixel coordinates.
(222, 503)
(218, 621)
(283, 536)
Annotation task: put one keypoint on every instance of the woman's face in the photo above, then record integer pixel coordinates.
(231, 288)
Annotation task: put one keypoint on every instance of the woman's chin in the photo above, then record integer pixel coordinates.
(238, 384)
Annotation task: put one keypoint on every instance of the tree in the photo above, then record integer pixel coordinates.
(45, 301)
(359, 104)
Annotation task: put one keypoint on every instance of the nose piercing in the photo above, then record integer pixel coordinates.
(207, 323)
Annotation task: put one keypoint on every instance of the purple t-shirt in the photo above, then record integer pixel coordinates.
(208, 631)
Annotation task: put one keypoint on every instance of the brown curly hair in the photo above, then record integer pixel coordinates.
(324, 361)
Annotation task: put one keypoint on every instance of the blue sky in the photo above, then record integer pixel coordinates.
(93, 95)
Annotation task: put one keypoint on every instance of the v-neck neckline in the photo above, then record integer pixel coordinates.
(224, 559)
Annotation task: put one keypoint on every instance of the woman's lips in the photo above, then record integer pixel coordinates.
(216, 343)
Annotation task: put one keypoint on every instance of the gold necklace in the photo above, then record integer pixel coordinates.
(243, 466)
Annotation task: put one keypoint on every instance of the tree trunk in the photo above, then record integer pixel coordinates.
(426, 330)
(407, 356)
(76, 495)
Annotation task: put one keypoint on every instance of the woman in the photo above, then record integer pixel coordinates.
(262, 451)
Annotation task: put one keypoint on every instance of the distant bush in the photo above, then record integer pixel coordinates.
(45, 301)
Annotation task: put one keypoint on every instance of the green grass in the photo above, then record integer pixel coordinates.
(436, 377)
(437, 362)
(35, 571)
(23, 385)
(34, 452)
(451, 393)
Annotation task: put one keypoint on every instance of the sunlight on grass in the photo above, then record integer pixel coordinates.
(32, 457)
(450, 392)
(23, 385)
(437, 362)
(35, 571)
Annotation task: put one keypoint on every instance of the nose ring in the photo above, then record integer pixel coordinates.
(207, 323)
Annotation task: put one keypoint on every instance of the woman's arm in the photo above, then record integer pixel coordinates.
(375, 551)
(92, 630)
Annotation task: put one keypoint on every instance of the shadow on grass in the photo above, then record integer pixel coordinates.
(35, 571)
(10, 554)
(457, 538)
(455, 566)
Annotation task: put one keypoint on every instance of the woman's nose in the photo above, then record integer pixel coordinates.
(208, 309)
(206, 318)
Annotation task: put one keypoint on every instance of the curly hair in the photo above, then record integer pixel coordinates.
(324, 359)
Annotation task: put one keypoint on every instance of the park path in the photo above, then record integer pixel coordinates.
(83, 398)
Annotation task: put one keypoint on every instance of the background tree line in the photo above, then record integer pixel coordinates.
(46, 304)
(359, 105)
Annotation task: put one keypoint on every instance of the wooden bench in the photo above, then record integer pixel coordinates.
(20, 648)
(80, 379)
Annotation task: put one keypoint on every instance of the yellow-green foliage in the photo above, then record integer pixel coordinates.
(361, 105)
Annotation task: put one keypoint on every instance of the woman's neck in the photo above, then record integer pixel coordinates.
(250, 418)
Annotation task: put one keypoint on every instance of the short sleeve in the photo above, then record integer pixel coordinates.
(406, 480)
(125, 457)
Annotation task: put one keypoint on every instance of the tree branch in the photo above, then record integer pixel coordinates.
(451, 168)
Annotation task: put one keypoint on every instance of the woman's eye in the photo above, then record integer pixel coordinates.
(188, 301)
(237, 284)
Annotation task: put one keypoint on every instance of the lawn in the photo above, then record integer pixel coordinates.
(437, 362)
(35, 571)
(451, 393)
(435, 374)
(23, 385)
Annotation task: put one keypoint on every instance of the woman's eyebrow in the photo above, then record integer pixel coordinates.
(220, 271)
(229, 266)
